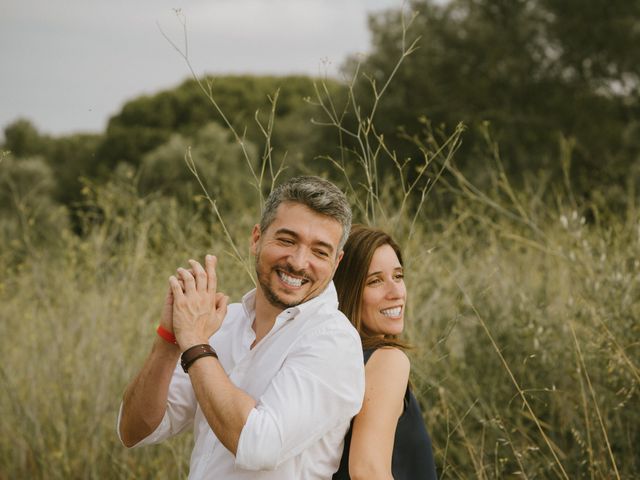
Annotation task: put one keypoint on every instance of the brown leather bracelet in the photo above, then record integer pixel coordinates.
(192, 354)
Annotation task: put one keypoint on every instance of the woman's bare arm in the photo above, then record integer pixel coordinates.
(386, 377)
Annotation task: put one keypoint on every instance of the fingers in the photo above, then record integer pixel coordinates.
(211, 262)
(219, 298)
(200, 276)
(189, 283)
(176, 288)
(197, 278)
(222, 301)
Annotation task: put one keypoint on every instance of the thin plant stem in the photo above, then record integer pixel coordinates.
(513, 380)
(593, 398)
(214, 206)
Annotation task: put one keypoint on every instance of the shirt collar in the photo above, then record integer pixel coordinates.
(329, 296)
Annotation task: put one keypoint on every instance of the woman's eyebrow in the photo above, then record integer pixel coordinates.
(379, 272)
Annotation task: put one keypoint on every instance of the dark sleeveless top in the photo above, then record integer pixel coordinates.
(412, 455)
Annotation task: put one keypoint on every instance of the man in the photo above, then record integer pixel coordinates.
(270, 390)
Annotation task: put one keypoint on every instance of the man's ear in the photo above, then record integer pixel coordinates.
(255, 237)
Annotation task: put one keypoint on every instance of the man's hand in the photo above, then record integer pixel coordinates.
(166, 318)
(198, 309)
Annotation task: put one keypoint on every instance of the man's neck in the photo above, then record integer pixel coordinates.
(266, 315)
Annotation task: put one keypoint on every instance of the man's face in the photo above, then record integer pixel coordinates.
(297, 255)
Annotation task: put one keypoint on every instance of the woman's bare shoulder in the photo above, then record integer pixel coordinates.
(387, 363)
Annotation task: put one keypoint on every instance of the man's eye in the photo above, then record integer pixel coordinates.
(285, 241)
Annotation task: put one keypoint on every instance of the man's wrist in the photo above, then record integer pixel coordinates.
(166, 335)
(165, 349)
(186, 342)
(190, 355)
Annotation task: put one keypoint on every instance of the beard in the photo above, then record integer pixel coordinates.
(272, 297)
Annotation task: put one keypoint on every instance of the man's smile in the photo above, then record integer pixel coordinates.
(290, 280)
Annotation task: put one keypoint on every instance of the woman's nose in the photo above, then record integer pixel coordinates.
(395, 289)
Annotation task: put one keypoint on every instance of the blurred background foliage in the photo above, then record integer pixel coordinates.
(540, 72)
(497, 139)
(544, 75)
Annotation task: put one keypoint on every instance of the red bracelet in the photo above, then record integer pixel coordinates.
(166, 334)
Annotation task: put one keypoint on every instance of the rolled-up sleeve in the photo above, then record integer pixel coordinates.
(181, 408)
(318, 389)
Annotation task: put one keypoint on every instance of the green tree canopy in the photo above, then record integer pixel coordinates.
(29, 214)
(22, 139)
(67, 157)
(72, 157)
(537, 70)
(220, 163)
(149, 121)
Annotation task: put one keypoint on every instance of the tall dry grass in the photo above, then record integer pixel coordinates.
(523, 310)
(526, 356)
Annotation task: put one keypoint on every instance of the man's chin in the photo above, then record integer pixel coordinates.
(280, 302)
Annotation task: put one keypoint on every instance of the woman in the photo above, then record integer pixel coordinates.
(387, 439)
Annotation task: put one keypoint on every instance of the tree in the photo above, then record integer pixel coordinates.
(22, 139)
(71, 158)
(147, 122)
(29, 215)
(68, 157)
(218, 160)
(536, 70)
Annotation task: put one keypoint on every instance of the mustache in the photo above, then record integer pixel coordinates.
(286, 268)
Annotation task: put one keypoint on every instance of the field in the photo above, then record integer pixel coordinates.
(524, 304)
(523, 314)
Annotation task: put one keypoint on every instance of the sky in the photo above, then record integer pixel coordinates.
(68, 65)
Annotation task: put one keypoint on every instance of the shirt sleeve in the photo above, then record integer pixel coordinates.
(181, 409)
(319, 388)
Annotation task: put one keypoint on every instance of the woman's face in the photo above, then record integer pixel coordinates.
(384, 294)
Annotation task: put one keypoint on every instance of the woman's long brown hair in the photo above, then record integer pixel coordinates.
(351, 276)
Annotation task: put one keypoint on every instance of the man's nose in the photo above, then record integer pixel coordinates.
(299, 258)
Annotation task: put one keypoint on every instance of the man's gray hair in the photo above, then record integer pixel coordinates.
(317, 194)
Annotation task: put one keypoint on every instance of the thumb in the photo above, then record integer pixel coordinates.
(222, 301)
(169, 296)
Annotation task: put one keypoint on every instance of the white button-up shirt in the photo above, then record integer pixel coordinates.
(307, 377)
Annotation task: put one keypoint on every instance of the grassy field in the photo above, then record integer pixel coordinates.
(524, 317)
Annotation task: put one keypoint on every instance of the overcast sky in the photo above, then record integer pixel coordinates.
(68, 65)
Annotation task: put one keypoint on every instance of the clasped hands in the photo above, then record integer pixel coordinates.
(194, 309)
